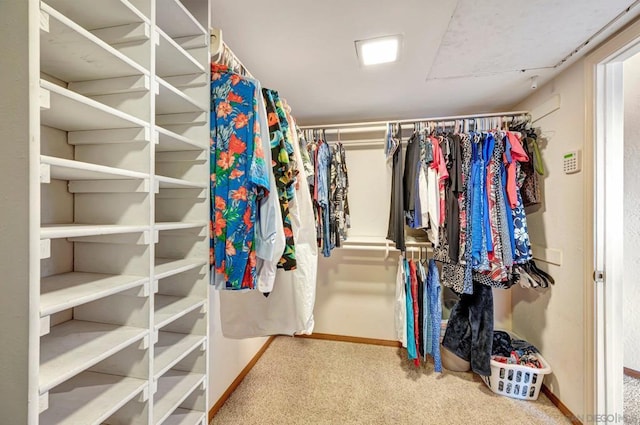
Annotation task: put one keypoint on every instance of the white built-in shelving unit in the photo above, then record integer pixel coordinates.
(104, 126)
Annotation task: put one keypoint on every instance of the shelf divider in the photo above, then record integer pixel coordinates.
(75, 346)
(68, 169)
(91, 398)
(70, 111)
(172, 347)
(71, 53)
(176, 20)
(169, 308)
(56, 231)
(165, 267)
(173, 388)
(172, 59)
(68, 290)
(185, 417)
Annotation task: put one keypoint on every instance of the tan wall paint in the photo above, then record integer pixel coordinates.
(552, 319)
(227, 357)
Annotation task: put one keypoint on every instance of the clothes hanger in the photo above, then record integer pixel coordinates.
(544, 275)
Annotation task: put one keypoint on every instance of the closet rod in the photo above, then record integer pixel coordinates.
(219, 48)
(411, 121)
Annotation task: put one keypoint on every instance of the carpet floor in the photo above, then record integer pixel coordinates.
(306, 381)
(631, 400)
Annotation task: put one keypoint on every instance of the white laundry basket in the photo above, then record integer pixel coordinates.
(517, 381)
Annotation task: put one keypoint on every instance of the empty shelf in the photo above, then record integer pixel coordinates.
(67, 290)
(171, 183)
(169, 308)
(170, 142)
(55, 231)
(176, 20)
(75, 346)
(101, 14)
(90, 398)
(70, 111)
(171, 59)
(185, 417)
(173, 347)
(67, 169)
(71, 53)
(170, 100)
(173, 388)
(179, 225)
(166, 267)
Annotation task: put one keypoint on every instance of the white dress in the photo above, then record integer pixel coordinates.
(288, 310)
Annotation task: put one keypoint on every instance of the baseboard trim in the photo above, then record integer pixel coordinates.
(216, 407)
(355, 339)
(632, 373)
(560, 405)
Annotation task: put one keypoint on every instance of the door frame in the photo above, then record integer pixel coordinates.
(603, 157)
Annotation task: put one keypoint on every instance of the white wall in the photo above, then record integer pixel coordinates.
(552, 319)
(227, 357)
(631, 285)
(356, 289)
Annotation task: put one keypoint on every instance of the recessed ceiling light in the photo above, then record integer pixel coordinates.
(378, 50)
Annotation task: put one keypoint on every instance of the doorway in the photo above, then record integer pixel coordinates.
(615, 192)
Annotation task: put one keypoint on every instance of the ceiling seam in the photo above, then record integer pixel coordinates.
(600, 31)
(490, 74)
(435, 57)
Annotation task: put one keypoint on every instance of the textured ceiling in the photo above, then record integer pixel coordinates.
(458, 57)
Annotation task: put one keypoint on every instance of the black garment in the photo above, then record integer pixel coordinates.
(454, 188)
(469, 333)
(503, 345)
(409, 176)
(395, 231)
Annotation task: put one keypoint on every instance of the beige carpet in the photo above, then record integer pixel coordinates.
(631, 400)
(304, 381)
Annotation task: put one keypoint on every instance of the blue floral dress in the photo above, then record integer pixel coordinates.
(239, 178)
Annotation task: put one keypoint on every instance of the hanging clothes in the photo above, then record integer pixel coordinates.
(484, 235)
(289, 308)
(270, 236)
(340, 220)
(329, 185)
(302, 281)
(284, 172)
(239, 179)
(411, 161)
(415, 310)
(411, 334)
(433, 315)
(395, 230)
(401, 304)
(323, 178)
(306, 157)
(418, 310)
